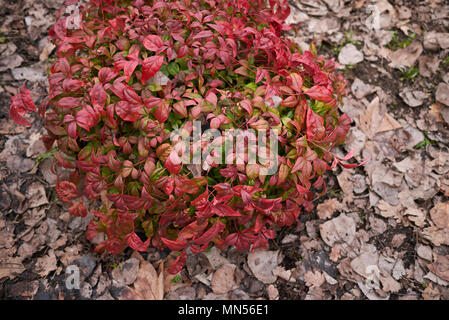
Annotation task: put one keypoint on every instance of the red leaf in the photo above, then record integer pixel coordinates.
(66, 190)
(59, 29)
(84, 118)
(178, 264)
(92, 230)
(115, 246)
(203, 34)
(70, 85)
(348, 156)
(191, 230)
(211, 233)
(351, 165)
(212, 98)
(299, 164)
(21, 103)
(136, 243)
(319, 93)
(17, 117)
(129, 68)
(150, 66)
(241, 240)
(261, 243)
(197, 248)
(296, 82)
(161, 113)
(282, 8)
(98, 95)
(106, 74)
(71, 129)
(261, 74)
(315, 125)
(182, 51)
(151, 102)
(354, 165)
(301, 189)
(169, 185)
(174, 245)
(69, 102)
(127, 111)
(180, 108)
(246, 104)
(78, 209)
(63, 162)
(223, 210)
(173, 163)
(186, 186)
(152, 42)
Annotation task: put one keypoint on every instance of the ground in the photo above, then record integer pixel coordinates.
(380, 232)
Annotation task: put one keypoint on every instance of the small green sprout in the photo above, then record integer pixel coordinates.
(176, 279)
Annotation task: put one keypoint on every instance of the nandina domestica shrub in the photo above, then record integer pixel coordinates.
(133, 78)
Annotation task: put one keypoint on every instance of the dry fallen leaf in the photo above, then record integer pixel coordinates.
(223, 280)
(388, 124)
(126, 272)
(435, 111)
(149, 285)
(376, 119)
(436, 235)
(387, 211)
(327, 208)
(444, 181)
(11, 267)
(440, 267)
(335, 253)
(314, 279)
(365, 263)
(262, 263)
(46, 264)
(273, 293)
(431, 293)
(417, 216)
(284, 274)
(346, 185)
(442, 93)
(389, 284)
(340, 229)
(440, 214)
(405, 57)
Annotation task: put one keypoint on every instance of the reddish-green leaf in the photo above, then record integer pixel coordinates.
(127, 111)
(152, 42)
(98, 95)
(150, 66)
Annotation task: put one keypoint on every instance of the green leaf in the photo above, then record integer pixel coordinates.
(422, 144)
(157, 173)
(164, 70)
(154, 87)
(425, 142)
(173, 68)
(46, 155)
(176, 279)
(251, 86)
(319, 107)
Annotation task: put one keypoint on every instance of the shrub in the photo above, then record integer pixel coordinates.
(132, 73)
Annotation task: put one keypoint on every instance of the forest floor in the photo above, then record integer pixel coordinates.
(380, 232)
